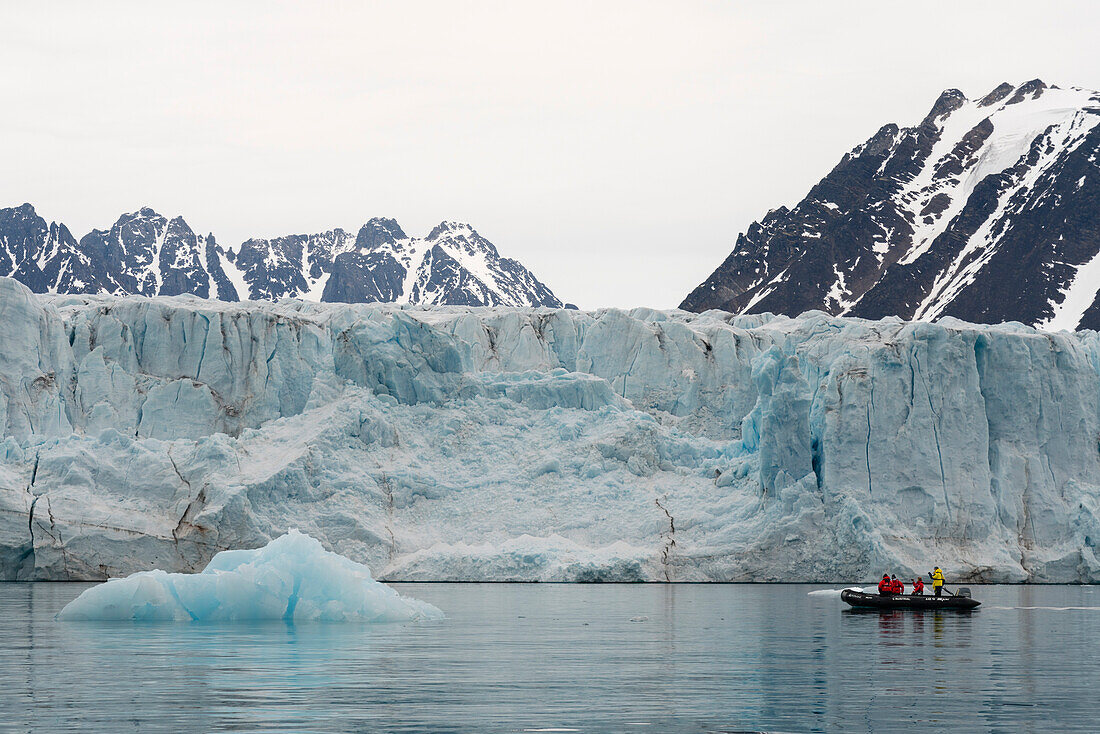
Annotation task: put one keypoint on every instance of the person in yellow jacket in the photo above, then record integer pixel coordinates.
(937, 581)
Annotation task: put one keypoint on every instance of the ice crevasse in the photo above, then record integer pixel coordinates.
(293, 579)
(543, 445)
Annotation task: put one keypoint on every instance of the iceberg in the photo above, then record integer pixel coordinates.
(293, 578)
(535, 444)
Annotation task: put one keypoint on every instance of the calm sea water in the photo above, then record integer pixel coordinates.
(590, 658)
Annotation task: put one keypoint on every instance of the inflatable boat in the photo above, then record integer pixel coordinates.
(960, 601)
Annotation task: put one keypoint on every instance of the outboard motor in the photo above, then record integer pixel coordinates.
(963, 591)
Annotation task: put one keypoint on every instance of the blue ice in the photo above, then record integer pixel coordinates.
(293, 578)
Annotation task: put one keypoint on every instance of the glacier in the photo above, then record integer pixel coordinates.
(536, 444)
(293, 579)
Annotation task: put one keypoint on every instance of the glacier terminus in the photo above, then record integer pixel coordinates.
(542, 444)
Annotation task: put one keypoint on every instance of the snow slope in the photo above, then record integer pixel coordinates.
(542, 444)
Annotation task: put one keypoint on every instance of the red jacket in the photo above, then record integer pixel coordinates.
(897, 586)
(918, 587)
(884, 586)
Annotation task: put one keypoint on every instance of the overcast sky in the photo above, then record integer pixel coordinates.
(615, 148)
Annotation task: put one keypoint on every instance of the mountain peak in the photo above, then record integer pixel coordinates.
(379, 231)
(178, 222)
(1001, 91)
(450, 227)
(1032, 89)
(948, 101)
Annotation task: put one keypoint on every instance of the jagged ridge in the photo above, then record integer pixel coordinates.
(145, 253)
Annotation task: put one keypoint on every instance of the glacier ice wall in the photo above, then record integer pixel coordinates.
(536, 444)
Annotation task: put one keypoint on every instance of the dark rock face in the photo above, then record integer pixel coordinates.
(289, 266)
(147, 254)
(988, 211)
(364, 277)
(368, 273)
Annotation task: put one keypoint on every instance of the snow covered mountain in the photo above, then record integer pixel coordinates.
(988, 210)
(145, 253)
(44, 257)
(533, 444)
(453, 265)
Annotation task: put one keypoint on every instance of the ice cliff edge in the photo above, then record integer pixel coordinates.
(540, 444)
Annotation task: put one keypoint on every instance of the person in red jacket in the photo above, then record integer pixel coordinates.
(918, 587)
(896, 586)
(884, 587)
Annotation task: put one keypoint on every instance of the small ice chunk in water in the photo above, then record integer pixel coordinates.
(292, 578)
(832, 592)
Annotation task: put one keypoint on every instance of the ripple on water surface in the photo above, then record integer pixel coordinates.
(588, 658)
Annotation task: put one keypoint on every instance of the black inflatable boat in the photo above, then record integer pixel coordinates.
(961, 601)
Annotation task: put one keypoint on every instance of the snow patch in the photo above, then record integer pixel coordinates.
(236, 278)
(1077, 298)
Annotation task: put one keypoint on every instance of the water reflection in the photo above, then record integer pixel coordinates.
(594, 658)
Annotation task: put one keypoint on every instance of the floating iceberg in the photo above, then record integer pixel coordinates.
(292, 578)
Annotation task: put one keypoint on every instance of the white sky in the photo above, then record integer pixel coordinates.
(615, 148)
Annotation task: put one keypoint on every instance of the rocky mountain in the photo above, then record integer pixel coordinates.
(147, 254)
(988, 210)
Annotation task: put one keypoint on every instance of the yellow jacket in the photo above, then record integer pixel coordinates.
(937, 578)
